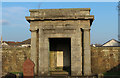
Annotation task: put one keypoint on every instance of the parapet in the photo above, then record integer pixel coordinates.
(60, 14)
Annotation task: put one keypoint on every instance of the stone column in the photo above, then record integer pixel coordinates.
(34, 49)
(87, 52)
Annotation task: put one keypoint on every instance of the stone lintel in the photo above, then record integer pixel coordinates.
(59, 29)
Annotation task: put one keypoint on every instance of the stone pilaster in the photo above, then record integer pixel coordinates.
(34, 49)
(76, 54)
(43, 54)
(87, 52)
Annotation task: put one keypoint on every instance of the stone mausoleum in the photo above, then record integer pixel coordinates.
(60, 41)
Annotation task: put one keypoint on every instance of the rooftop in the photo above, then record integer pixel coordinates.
(62, 9)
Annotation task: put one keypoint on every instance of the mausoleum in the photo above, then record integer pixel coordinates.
(60, 41)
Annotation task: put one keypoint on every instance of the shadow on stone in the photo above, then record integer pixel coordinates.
(113, 73)
(9, 75)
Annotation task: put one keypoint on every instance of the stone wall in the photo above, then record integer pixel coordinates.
(103, 59)
(13, 58)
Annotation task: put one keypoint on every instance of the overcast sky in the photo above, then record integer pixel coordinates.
(16, 28)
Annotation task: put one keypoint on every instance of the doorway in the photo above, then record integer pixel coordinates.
(60, 54)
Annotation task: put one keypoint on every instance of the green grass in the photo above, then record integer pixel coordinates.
(21, 73)
(111, 73)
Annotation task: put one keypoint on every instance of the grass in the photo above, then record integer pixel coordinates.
(20, 73)
(112, 73)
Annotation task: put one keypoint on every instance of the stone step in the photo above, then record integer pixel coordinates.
(67, 77)
(61, 73)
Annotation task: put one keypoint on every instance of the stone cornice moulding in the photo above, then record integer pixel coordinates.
(82, 17)
(80, 9)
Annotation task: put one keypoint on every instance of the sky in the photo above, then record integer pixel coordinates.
(16, 28)
(60, 0)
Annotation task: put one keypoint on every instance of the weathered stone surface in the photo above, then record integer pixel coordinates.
(87, 52)
(60, 23)
(101, 58)
(34, 49)
(50, 13)
(13, 59)
(105, 59)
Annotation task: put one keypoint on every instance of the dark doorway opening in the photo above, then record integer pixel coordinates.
(60, 54)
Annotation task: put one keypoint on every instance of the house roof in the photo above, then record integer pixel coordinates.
(109, 41)
(13, 43)
(28, 41)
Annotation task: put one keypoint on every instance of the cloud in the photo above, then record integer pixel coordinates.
(4, 22)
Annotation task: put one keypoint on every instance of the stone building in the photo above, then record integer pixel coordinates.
(60, 41)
